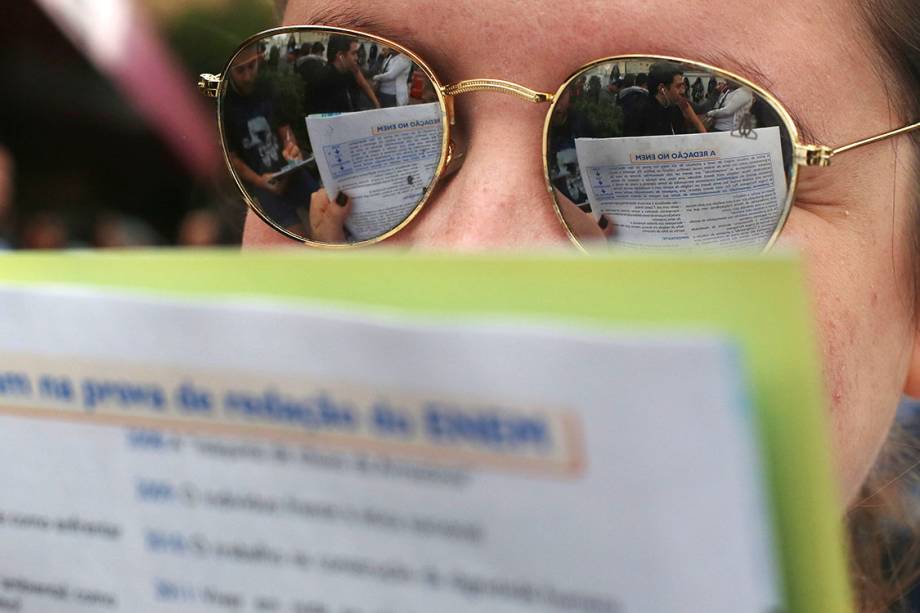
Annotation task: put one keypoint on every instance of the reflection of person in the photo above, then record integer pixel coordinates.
(633, 99)
(855, 222)
(394, 80)
(312, 54)
(340, 82)
(566, 125)
(593, 91)
(734, 105)
(713, 99)
(697, 90)
(260, 145)
(665, 110)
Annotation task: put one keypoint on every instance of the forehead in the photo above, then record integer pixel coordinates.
(797, 50)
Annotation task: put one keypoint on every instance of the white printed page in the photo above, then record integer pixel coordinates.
(160, 455)
(383, 159)
(718, 189)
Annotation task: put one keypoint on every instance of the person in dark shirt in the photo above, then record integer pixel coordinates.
(260, 145)
(665, 110)
(311, 54)
(310, 68)
(338, 85)
(633, 98)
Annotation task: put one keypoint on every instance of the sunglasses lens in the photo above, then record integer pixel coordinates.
(662, 155)
(333, 139)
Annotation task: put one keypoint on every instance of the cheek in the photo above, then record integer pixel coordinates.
(258, 234)
(864, 326)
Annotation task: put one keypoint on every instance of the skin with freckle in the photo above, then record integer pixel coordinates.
(850, 220)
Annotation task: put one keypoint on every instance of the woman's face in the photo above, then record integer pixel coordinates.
(851, 221)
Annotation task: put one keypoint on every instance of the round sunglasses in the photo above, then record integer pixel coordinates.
(338, 138)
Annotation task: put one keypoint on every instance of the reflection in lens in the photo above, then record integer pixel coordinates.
(656, 154)
(335, 139)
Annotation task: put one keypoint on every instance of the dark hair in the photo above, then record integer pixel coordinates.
(884, 533)
(641, 79)
(896, 25)
(339, 44)
(662, 73)
(317, 48)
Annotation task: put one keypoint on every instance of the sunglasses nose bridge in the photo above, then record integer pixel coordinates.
(456, 153)
(497, 86)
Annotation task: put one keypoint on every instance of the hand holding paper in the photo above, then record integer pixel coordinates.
(327, 218)
(383, 159)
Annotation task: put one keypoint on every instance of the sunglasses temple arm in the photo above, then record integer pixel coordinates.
(821, 155)
(875, 139)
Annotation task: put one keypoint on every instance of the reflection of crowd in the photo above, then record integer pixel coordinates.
(261, 144)
(669, 109)
(662, 102)
(666, 109)
(656, 103)
(659, 103)
(338, 85)
(352, 78)
(273, 87)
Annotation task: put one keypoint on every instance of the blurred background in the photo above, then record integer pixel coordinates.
(104, 139)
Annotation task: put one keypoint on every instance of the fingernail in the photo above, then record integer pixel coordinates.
(603, 222)
(341, 199)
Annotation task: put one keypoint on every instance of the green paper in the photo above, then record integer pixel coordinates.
(760, 301)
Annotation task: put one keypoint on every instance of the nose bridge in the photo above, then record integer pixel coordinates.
(500, 199)
(497, 86)
(457, 154)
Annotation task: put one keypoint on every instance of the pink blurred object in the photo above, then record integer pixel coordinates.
(118, 38)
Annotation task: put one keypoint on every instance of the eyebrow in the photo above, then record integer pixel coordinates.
(355, 19)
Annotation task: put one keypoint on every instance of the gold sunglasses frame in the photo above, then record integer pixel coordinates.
(215, 86)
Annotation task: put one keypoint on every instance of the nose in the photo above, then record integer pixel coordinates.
(499, 198)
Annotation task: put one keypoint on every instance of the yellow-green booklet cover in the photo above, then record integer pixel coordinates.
(759, 301)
